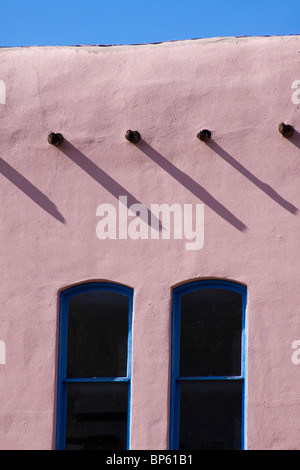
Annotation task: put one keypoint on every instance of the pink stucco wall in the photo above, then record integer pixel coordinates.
(247, 177)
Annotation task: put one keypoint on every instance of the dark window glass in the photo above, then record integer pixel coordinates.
(97, 335)
(97, 416)
(210, 333)
(210, 415)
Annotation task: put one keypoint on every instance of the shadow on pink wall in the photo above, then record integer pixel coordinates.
(30, 190)
(267, 189)
(105, 180)
(190, 184)
(295, 139)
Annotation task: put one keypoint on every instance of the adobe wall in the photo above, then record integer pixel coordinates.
(246, 176)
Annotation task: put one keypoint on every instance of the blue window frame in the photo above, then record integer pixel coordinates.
(208, 370)
(94, 367)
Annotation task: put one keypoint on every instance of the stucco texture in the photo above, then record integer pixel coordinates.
(247, 177)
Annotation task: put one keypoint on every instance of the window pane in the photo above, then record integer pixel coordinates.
(97, 416)
(97, 335)
(210, 333)
(210, 415)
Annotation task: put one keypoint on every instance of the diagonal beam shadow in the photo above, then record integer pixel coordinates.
(267, 189)
(194, 187)
(30, 190)
(101, 177)
(295, 139)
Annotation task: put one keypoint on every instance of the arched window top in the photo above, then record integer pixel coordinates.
(210, 284)
(209, 324)
(96, 320)
(98, 286)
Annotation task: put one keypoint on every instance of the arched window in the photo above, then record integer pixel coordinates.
(93, 404)
(208, 366)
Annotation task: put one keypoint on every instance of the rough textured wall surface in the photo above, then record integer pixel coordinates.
(247, 177)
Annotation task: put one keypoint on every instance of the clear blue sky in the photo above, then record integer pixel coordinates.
(77, 22)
